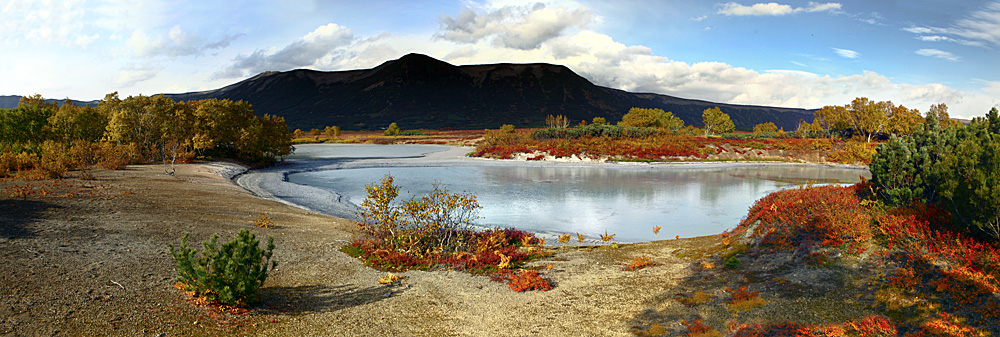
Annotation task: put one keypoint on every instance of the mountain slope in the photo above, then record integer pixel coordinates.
(417, 91)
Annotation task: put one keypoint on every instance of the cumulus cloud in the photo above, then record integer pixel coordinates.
(937, 54)
(847, 53)
(517, 27)
(320, 45)
(607, 62)
(775, 9)
(979, 28)
(176, 42)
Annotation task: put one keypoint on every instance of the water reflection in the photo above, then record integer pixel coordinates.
(591, 200)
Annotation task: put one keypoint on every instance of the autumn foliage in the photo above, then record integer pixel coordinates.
(39, 139)
(434, 231)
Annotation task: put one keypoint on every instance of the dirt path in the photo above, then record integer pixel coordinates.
(99, 265)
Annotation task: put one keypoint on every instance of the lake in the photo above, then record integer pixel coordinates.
(627, 200)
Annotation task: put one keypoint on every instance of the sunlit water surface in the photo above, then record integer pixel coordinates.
(625, 201)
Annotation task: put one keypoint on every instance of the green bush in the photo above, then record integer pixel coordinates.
(412, 133)
(229, 274)
(731, 262)
(955, 167)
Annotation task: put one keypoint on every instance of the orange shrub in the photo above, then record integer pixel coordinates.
(824, 215)
(528, 280)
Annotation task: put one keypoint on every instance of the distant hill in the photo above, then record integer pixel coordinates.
(7, 102)
(417, 91)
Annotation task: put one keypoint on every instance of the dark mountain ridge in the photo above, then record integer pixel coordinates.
(417, 91)
(11, 101)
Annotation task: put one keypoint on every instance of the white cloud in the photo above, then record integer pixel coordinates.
(991, 87)
(700, 18)
(40, 21)
(84, 40)
(775, 9)
(825, 7)
(937, 53)
(980, 28)
(322, 45)
(759, 9)
(176, 42)
(133, 73)
(847, 53)
(517, 27)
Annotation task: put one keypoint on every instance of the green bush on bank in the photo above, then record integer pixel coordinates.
(956, 168)
(229, 274)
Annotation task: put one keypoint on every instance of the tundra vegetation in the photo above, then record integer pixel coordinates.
(840, 134)
(918, 243)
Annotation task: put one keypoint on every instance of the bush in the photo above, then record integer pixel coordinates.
(392, 130)
(528, 280)
(229, 274)
(956, 168)
(437, 221)
(412, 133)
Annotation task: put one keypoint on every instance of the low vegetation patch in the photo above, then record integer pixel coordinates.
(434, 232)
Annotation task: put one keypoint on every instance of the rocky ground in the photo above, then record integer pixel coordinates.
(90, 257)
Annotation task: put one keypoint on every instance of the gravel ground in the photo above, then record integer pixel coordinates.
(97, 264)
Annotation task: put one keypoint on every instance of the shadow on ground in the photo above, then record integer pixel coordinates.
(321, 298)
(16, 215)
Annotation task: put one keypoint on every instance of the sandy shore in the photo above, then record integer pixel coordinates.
(99, 265)
(96, 264)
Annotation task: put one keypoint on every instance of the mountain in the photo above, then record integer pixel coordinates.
(7, 102)
(417, 91)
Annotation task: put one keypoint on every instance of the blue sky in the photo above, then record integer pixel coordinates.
(787, 53)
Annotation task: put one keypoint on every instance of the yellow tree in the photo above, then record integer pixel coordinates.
(70, 123)
(762, 128)
(716, 121)
(903, 121)
(651, 118)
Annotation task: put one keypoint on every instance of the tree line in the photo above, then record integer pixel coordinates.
(137, 129)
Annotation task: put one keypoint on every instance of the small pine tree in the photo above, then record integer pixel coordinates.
(229, 274)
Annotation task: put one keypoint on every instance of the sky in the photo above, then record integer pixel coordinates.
(802, 54)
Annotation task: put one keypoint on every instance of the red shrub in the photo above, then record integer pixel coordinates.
(824, 215)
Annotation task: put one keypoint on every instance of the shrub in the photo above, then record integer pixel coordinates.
(412, 133)
(955, 168)
(744, 300)
(435, 222)
(639, 262)
(528, 280)
(804, 217)
(506, 135)
(854, 152)
(731, 262)
(392, 130)
(229, 274)
(695, 299)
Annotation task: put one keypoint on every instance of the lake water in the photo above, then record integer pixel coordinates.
(625, 200)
